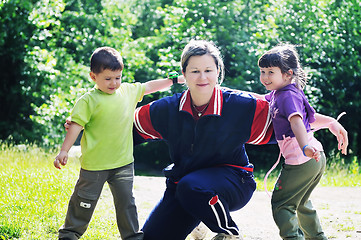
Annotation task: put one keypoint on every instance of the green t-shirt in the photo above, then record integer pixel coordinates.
(107, 141)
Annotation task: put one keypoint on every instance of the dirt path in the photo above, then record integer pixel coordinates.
(339, 210)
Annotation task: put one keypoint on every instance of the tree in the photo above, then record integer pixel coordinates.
(45, 48)
(18, 88)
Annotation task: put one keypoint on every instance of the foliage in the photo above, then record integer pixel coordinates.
(45, 48)
(16, 82)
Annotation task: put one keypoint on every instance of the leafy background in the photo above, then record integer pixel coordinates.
(45, 48)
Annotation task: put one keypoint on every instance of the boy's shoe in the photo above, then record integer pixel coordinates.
(200, 232)
(223, 236)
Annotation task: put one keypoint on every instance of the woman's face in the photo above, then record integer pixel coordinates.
(201, 74)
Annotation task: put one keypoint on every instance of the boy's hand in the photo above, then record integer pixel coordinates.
(61, 159)
(181, 79)
(312, 152)
(67, 124)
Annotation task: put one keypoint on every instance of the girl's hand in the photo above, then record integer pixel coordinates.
(341, 134)
(312, 152)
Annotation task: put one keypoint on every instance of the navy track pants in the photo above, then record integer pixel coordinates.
(207, 195)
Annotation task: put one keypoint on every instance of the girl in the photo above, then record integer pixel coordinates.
(305, 160)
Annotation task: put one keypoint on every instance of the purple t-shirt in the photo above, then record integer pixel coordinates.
(285, 103)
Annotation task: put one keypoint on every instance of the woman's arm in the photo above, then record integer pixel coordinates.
(143, 124)
(255, 95)
(262, 128)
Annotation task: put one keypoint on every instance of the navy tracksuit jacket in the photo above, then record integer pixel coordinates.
(210, 175)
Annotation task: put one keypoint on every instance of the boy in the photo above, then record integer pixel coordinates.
(106, 113)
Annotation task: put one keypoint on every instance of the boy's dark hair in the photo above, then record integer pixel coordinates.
(106, 58)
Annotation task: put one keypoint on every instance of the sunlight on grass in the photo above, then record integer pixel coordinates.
(342, 175)
(337, 174)
(34, 195)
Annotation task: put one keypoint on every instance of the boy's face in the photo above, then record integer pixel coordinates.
(107, 81)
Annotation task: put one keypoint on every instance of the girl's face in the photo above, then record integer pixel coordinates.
(273, 79)
(107, 81)
(201, 74)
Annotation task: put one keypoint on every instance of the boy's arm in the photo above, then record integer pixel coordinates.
(298, 128)
(336, 129)
(71, 135)
(159, 84)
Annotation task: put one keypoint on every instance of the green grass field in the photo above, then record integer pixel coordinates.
(34, 195)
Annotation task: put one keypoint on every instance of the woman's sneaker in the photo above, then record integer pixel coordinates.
(223, 236)
(200, 232)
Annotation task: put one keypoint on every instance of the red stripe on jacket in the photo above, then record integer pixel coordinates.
(143, 123)
(262, 128)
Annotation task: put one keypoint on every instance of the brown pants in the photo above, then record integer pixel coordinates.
(85, 197)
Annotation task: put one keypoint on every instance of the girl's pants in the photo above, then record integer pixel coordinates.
(292, 210)
(85, 197)
(206, 195)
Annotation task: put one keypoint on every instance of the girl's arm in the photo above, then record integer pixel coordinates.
(298, 128)
(71, 135)
(336, 129)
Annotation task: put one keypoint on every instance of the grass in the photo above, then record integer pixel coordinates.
(34, 195)
(337, 174)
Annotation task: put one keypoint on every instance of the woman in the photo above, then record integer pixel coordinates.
(206, 128)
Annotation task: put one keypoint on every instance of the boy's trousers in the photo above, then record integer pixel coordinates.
(85, 197)
(292, 210)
